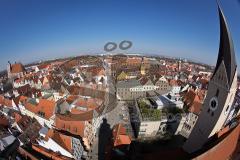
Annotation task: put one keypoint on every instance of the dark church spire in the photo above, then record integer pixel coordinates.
(226, 50)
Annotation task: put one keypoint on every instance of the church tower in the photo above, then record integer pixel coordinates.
(179, 65)
(221, 92)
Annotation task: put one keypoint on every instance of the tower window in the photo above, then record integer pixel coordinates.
(212, 114)
(217, 93)
(208, 110)
(226, 111)
(227, 108)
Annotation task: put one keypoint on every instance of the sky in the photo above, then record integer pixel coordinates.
(32, 30)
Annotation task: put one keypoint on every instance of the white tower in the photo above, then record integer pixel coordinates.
(221, 92)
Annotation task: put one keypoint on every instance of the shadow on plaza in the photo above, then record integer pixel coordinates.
(104, 142)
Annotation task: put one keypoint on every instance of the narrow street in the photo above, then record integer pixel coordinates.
(115, 112)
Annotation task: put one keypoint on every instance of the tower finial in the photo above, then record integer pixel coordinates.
(226, 50)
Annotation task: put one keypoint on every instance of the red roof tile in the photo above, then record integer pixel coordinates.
(87, 103)
(47, 107)
(61, 139)
(173, 82)
(193, 101)
(3, 121)
(5, 102)
(119, 136)
(70, 125)
(42, 66)
(134, 61)
(224, 149)
(31, 107)
(50, 154)
(17, 68)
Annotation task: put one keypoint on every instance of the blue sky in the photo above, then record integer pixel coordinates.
(35, 30)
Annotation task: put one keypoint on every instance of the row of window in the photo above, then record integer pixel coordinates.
(143, 130)
(162, 89)
(162, 85)
(187, 127)
(68, 128)
(137, 89)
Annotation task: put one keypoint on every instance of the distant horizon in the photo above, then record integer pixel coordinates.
(99, 54)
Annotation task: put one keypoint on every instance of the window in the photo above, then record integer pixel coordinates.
(227, 108)
(143, 130)
(226, 111)
(217, 93)
(208, 110)
(212, 114)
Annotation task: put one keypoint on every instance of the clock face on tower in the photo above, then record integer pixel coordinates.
(213, 103)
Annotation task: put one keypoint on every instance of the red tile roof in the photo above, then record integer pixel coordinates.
(61, 139)
(17, 68)
(223, 131)
(5, 102)
(173, 82)
(73, 126)
(31, 107)
(96, 71)
(87, 103)
(196, 107)
(23, 121)
(24, 90)
(3, 121)
(70, 99)
(17, 116)
(204, 81)
(224, 149)
(19, 99)
(143, 80)
(42, 66)
(48, 153)
(193, 101)
(120, 136)
(47, 107)
(134, 61)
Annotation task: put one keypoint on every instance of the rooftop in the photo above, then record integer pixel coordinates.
(17, 68)
(128, 83)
